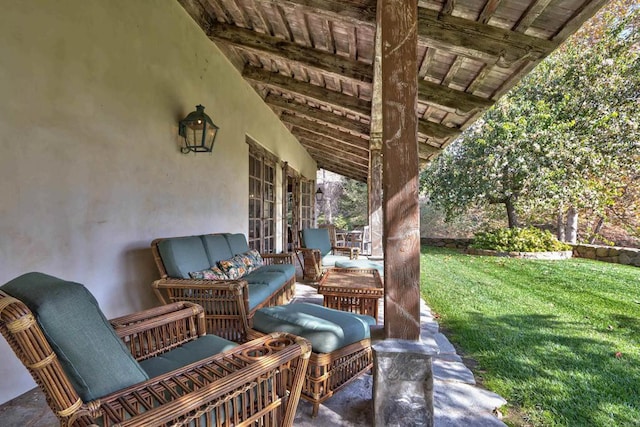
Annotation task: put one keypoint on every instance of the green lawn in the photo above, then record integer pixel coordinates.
(560, 340)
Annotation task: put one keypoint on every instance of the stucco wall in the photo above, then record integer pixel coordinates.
(90, 172)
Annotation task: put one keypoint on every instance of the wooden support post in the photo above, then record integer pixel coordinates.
(398, 19)
(375, 154)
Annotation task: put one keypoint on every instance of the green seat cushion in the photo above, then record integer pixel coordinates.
(217, 248)
(95, 360)
(181, 255)
(359, 263)
(186, 354)
(258, 293)
(237, 243)
(317, 238)
(289, 270)
(273, 279)
(326, 328)
(330, 260)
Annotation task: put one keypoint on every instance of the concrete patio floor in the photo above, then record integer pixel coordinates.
(457, 399)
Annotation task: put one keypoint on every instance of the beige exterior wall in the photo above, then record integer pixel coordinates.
(90, 171)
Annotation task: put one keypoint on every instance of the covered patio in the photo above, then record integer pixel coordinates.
(372, 90)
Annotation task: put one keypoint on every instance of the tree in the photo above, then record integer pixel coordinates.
(564, 140)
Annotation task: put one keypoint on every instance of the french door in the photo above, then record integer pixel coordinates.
(262, 200)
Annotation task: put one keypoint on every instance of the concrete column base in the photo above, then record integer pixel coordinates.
(403, 383)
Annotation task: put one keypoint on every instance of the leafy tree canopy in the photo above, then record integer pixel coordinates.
(567, 135)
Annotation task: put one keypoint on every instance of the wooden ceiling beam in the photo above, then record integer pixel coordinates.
(452, 99)
(307, 90)
(332, 145)
(315, 127)
(337, 66)
(358, 175)
(318, 115)
(480, 41)
(319, 152)
(437, 130)
(426, 150)
(339, 10)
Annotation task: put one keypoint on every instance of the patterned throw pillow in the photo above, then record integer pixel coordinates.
(214, 273)
(256, 259)
(234, 267)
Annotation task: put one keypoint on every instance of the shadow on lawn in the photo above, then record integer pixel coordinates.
(556, 370)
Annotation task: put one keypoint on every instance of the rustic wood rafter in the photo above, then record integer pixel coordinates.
(344, 137)
(328, 63)
(309, 91)
(480, 41)
(451, 99)
(319, 115)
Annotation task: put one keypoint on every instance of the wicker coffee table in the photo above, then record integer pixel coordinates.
(356, 290)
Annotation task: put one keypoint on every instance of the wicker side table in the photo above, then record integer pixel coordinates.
(356, 290)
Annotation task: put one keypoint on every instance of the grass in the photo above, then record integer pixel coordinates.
(559, 340)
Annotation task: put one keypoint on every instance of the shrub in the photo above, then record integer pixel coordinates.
(528, 239)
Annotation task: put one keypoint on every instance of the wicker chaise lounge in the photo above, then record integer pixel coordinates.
(153, 368)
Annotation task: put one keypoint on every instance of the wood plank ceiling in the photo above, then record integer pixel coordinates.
(312, 63)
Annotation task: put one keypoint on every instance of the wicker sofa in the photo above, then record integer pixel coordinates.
(229, 304)
(153, 368)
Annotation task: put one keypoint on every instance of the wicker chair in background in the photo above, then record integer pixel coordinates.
(244, 384)
(319, 254)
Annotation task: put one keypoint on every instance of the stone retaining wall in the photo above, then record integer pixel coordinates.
(613, 254)
(442, 242)
(555, 255)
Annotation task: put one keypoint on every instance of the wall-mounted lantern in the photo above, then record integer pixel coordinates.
(197, 131)
(319, 195)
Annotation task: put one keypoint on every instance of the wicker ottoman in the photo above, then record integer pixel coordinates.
(340, 341)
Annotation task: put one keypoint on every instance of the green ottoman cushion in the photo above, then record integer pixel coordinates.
(92, 355)
(186, 354)
(326, 328)
(359, 263)
(331, 260)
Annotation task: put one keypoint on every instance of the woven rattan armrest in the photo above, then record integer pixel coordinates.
(225, 303)
(215, 386)
(160, 329)
(283, 258)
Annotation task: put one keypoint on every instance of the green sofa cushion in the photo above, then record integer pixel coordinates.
(217, 247)
(181, 255)
(92, 355)
(258, 293)
(326, 328)
(186, 354)
(237, 243)
(317, 238)
(289, 270)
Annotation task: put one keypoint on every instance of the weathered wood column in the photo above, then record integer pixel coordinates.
(375, 155)
(402, 376)
(400, 168)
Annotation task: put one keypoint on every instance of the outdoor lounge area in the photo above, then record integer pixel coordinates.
(165, 154)
(456, 399)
